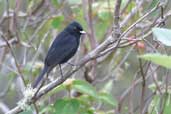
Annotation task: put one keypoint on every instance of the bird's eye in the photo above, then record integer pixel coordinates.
(75, 28)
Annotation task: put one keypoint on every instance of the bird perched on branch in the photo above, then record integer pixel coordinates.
(62, 49)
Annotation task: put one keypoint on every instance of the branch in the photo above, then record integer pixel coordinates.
(116, 25)
(90, 56)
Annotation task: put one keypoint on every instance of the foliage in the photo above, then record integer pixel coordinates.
(159, 59)
(80, 104)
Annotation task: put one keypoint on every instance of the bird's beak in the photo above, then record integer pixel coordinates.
(82, 32)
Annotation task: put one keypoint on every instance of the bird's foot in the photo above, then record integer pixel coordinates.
(72, 64)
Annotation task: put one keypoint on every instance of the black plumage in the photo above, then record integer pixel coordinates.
(62, 49)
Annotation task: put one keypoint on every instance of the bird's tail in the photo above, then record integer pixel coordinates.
(40, 77)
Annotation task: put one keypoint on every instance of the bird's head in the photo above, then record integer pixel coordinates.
(75, 28)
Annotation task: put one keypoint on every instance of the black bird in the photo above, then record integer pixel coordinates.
(62, 49)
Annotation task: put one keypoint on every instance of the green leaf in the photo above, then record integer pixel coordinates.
(56, 22)
(103, 5)
(66, 106)
(162, 86)
(27, 112)
(47, 109)
(153, 86)
(153, 4)
(57, 89)
(88, 111)
(104, 15)
(167, 109)
(55, 3)
(74, 1)
(156, 103)
(159, 59)
(162, 35)
(107, 98)
(84, 87)
(108, 87)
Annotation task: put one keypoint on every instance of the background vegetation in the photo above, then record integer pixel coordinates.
(122, 65)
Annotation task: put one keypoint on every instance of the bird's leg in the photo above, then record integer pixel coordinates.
(61, 71)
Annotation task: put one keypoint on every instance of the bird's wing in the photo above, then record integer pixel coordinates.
(62, 49)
